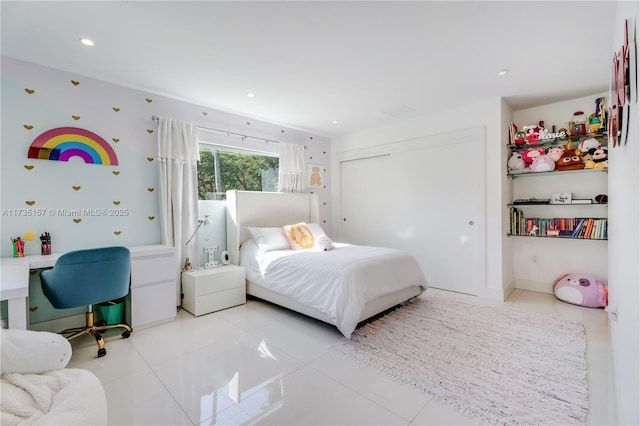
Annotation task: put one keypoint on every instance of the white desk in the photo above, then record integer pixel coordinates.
(153, 284)
(14, 288)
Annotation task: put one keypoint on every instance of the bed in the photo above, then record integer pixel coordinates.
(341, 287)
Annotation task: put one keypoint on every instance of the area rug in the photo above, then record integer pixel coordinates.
(499, 364)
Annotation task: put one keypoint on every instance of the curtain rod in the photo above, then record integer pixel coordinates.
(157, 120)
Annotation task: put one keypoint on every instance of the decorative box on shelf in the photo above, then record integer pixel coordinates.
(213, 289)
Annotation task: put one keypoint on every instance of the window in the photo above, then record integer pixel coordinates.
(229, 162)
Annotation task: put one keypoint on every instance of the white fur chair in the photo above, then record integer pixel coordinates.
(37, 389)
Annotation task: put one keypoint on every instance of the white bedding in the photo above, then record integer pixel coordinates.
(338, 282)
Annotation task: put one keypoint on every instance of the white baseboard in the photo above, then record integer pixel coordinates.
(532, 285)
(499, 294)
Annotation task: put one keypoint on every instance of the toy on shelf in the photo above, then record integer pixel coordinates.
(516, 162)
(531, 153)
(569, 160)
(543, 163)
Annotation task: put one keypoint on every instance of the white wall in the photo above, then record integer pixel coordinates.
(486, 114)
(624, 252)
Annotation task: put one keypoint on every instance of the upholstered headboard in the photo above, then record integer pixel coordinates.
(249, 208)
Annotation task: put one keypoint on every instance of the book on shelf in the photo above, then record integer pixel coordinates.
(581, 201)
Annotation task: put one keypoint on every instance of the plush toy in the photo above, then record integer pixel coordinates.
(532, 153)
(516, 162)
(555, 153)
(600, 157)
(581, 289)
(543, 163)
(569, 161)
(324, 243)
(586, 144)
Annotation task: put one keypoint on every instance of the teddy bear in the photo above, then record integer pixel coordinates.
(581, 289)
(324, 243)
(543, 163)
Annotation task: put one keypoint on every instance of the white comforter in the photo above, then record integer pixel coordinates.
(337, 282)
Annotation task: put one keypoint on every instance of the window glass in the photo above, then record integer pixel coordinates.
(222, 168)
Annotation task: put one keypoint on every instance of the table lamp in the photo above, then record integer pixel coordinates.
(187, 262)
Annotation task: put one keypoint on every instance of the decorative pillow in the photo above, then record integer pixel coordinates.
(299, 236)
(269, 239)
(581, 289)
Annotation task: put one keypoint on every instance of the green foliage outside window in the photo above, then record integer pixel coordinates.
(232, 170)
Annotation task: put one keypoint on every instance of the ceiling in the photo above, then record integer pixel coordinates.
(362, 63)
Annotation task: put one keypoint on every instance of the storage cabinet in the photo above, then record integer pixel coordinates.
(210, 290)
(153, 286)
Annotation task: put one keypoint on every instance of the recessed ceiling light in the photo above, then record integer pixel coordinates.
(334, 122)
(86, 41)
(503, 71)
(251, 94)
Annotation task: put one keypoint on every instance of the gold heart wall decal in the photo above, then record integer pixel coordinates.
(76, 188)
(29, 203)
(149, 100)
(204, 113)
(33, 309)
(115, 172)
(28, 166)
(117, 232)
(151, 217)
(28, 126)
(75, 117)
(116, 109)
(75, 83)
(149, 131)
(206, 216)
(149, 159)
(150, 189)
(30, 91)
(116, 140)
(77, 220)
(248, 123)
(116, 203)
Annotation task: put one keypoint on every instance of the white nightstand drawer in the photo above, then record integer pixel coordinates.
(216, 301)
(212, 280)
(209, 290)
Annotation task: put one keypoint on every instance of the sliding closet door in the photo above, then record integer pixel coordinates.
(428, 199)
(365, 201)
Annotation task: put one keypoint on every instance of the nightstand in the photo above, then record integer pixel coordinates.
(210, 290)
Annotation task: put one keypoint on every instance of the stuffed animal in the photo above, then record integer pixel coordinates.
(569, 161)
(586, 144)
(581, 289)
(600, 157)
(532, 153)
(543, 163)
(516, 162)
(555, 153)
(324, 243)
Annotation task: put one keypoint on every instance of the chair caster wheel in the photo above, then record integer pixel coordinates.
(102, 352)
(126, 334)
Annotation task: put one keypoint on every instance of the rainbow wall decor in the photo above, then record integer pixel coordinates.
(62, 143)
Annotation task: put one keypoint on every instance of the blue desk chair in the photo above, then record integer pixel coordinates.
(87, 277)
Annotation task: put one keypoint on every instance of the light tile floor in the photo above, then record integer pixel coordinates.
(261, 364)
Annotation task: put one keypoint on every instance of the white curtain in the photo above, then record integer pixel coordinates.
(292, 173)
(178, 154)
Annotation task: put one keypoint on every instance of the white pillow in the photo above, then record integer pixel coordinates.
(316, 230)
(269, 239)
